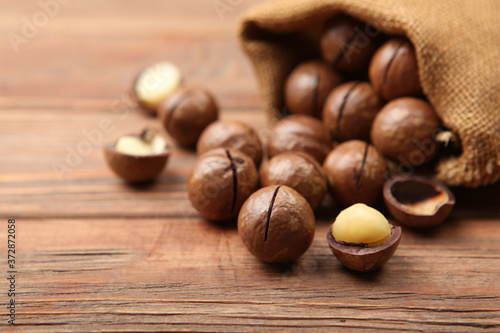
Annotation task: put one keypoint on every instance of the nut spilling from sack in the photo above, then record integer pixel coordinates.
(378, 119)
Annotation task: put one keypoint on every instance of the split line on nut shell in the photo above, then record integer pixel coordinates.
(271, 204)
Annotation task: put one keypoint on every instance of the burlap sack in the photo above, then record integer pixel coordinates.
(458, 50)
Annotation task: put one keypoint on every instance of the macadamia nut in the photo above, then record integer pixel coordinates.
(361, 224)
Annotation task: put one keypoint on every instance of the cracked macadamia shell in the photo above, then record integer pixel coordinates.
(418, 201)
(356, 172)
(186, 113)
(276, 224)
(361, 258)
(220, 182)
(394, 70)
(350, 110)
(135, 168)
(347, 44)
(308, 86)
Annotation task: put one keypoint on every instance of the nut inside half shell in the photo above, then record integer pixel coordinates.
(362, 258)
(138, 157)
(362, 238)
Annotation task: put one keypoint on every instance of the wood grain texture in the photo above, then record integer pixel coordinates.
(95, 254)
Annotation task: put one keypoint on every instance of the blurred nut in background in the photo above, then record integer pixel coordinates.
(394, 70)
(308, 86)
(138, 157)
(154, 84)
(231, 134)
(348, 45)
(186, 113)
(299, 171)
(220, 182)
(276, 224)
(300, 133)
(349, 111)
(356, 172)
(404, 131)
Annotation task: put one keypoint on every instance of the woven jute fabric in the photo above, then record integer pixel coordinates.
(458, 51)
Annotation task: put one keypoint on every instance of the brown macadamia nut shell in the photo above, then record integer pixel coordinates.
(231, 134)
(349, 111)
(356, 173)
(308, 86)
(299, 171)
(404, 131)
(186, 113)
(276, 224)
(347, 44)
(300, 133)
(361, 258)
(136, 169)
(394, 70)
(220, 182)
(417, 201)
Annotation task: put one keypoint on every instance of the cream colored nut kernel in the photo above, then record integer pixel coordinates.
(156, 83)
(149, 143)
(361, 224)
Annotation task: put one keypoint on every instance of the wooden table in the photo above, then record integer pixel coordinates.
(93, 254)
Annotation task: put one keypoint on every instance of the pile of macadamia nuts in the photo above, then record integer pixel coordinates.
(349, 114)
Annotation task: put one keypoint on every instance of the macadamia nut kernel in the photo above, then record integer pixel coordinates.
(361, 224)
(138, 157)
(155, 83)
(147, 144)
